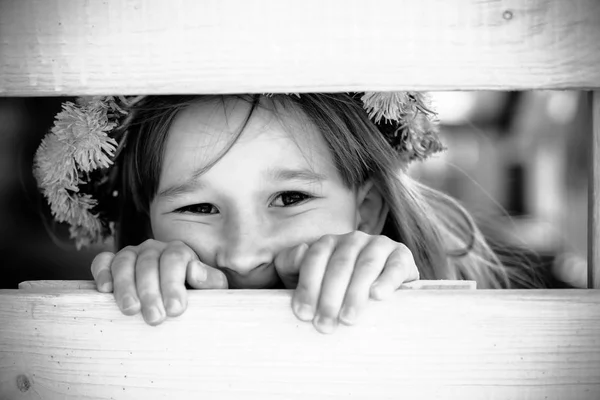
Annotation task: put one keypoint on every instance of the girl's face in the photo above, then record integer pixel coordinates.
(275, 188)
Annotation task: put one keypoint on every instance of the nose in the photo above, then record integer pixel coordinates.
(245, 245)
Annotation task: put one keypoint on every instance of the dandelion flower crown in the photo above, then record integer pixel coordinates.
(72, 165)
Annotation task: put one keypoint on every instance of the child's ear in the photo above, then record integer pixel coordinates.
(372, 209)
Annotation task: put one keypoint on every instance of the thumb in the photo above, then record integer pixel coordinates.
(202, 276)
(287, 264)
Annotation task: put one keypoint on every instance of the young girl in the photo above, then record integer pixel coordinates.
(307, 192)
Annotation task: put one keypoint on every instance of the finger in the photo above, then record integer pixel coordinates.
(369, 265)
(173, 267)
(202, 276)
(123, 272)
(287, 264)
(312, 270)
(571, 268)
(336, 279)
(147, 279)
(101, 271)
(400, 267)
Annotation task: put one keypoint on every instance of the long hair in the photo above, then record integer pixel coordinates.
(443, 237)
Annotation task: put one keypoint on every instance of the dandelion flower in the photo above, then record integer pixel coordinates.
(77, 144)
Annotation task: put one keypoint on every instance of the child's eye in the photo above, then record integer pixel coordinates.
(201, 208)
(286, 199)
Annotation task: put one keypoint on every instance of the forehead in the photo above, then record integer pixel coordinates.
(272, 135)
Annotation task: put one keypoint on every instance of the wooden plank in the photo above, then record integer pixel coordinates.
(438, 344)
(33, 286)
(594, 197)
(71, 47)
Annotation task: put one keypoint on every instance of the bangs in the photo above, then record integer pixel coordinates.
(143, 154)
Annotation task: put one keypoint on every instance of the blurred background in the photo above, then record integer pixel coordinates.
(516, 160)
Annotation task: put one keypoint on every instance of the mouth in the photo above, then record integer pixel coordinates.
(262, 277)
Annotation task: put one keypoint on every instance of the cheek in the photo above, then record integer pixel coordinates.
(337, 215)
(196, 236)
(336, 219)
(343, 211)
(339, 221)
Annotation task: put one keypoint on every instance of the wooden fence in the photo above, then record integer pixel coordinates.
(63, 342)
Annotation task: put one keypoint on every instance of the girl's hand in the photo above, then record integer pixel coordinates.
(336, 275)
(152, 276)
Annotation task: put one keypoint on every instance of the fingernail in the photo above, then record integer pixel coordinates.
(105, 280)
(199, 272)
(128, 303)
(153, 315)
(378, 292)
(348, 315)
(325, 324)
(304, 312)
(173, 306)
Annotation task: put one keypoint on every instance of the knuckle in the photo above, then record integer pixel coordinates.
(325, 241)
(369, 263)
(356, 235)
(403, 255)
(401, 247)
(127, 252)
(403, 265)
(150, 244)
(128, 249)
(397, 266)
(177, 244)
(149, 254)
(174, 255)
(123, 259)
(327, 238)
(297, 249)
(381, 240)
(341, 261)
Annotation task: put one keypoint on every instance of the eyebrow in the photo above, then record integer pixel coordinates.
(276, 174)
(302, 174)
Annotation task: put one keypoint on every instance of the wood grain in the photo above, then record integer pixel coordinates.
(246, 344)
(42, 285)
(71, 47)
(32, 286)
(594, 197)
